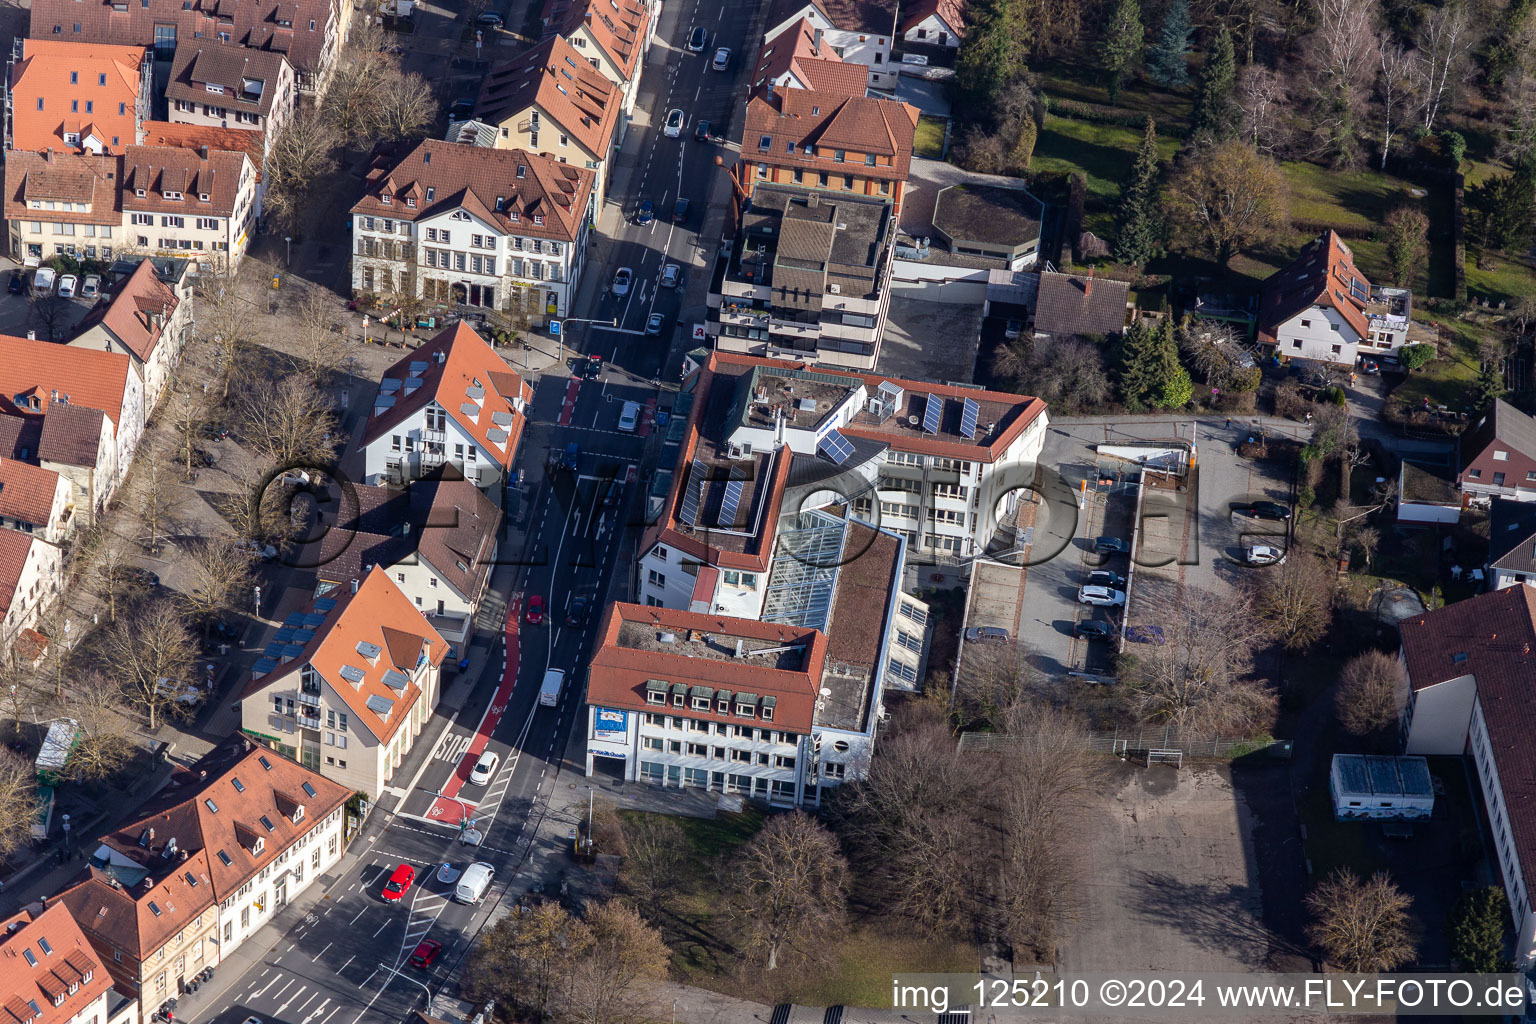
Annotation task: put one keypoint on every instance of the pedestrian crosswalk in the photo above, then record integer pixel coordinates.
(452, 748)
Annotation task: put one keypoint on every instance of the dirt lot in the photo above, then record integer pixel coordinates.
(1173, 879)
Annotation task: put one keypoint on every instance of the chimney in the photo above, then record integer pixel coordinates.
(1088, 285)
(816, 44)
(202, 152)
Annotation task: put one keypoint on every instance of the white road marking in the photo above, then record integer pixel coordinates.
(269, 984)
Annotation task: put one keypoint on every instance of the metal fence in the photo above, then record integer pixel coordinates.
(1134, 743)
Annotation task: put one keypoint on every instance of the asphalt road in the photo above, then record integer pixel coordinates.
(348, 961)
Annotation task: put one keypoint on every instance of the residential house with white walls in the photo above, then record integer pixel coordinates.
(31, 578)
(859, 31)
(141, 317)
(613, 35)
(45, 961)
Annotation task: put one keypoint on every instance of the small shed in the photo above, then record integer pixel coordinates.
(1369, 788)
(1426, 494)
(57, 746)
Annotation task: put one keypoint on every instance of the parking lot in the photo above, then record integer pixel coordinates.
(19, 313)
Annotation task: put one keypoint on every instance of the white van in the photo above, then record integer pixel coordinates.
(473, 883)
(42, 281)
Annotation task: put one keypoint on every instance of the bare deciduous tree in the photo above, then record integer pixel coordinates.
(187, 405)
(288, 422)
(1446, 37)
(225, 321)
(109, 559)
(525, 959)
(154, 494)
(303, 153)
(616, 980)
(1371, 694)
(321, 340)
(1294, 599)
(151, 645)
(18, 800)
(1339, 61)
(1227, 198)
(1263, 98)
(105, 745)
(259, 510)
(792, 889)
(1198, 679)
(1394, 87)
(1362, 926)
(405, 105)
(220, 575)
(50, 311)
(656, 853)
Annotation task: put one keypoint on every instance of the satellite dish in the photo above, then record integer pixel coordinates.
(924, 242)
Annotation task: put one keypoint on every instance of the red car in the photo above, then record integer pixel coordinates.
(426, 953)
(399, 883)
(535, 610)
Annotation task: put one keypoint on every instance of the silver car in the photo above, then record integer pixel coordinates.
(1102, 597)
(675, 120)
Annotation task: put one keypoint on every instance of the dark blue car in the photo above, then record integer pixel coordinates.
(646, 214)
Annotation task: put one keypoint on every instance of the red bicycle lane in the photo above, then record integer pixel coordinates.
(448, 808)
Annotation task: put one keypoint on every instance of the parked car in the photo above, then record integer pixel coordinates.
(426, 952)
(680, 211)
(136, 576)
(571, 457)
(1012, 329)
(43, 281)
(621, 281)
(179, 693)
(987, 635)
(535, 613)
(615, 492)
(461, 108)
(646, 213)
(489, 20)
(671, 276)
(1370, 366)
(1102, 597)
(1093, 629)
(18, 283)
(485, 769)
(722, 61)
(67, 286)
(701, 131)
(629, 416)
(653, 323)
(675, 120)
(1105, 578)
(399, 883)
(1267, 510)
(1145, 634)
(1111, 546)
(92, 286)
(1263, 554)
(576, 614)
(698, 38)
(588, 367)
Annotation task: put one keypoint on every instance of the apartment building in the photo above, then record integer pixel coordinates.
(45, 961)
(35, 501)
(59, 202)
(552, 101)
(437, 539)
(218, 85)
(1321, 307)
(933, 23)
(859, 31)
(228, 842)
(799, 57)
(31, 577)
(809, 278)
(141, 317)
(348, 692)
(502, 229)
(200, 204)
(309, 33)
(613, 35)
(844, 145)
(937, 465)
(1471, 679)
(78, 96)
(452, 402)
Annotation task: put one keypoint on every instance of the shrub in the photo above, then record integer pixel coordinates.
(1411, 357)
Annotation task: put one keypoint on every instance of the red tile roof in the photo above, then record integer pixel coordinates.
(195, 136)
(823, 121)
(63, 177)
(27, 492)
(629, 653)
(618, 26)
(452, 364)
(819, 67)
(573, 95)
(136, 312)
(144, 919)
(15, 546)
(1491, 637)
(549, 199)
(201, 62)
(876, 17)
(951, 12)
(1322, 274)
(68, 78)
(35, 373)
(361, 617)
(162, 170)
(61, 964)
(70, 434)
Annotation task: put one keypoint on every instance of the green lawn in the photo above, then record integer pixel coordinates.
(1080, 83)
(1344, 199)
(929, 141)
(1446, 379)
(1103, 152)
(1506, 282)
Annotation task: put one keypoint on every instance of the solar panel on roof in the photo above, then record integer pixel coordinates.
(731, 503)
(932, 411)
(835, 446)
(969, 417)
(325, 604)
(314, 619)
(692, 491)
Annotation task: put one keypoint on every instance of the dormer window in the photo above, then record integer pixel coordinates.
(173, 195)
(538, 218)
(139, 192)
(298, 814)
(258, 846)
(203, 196)
(385, 199)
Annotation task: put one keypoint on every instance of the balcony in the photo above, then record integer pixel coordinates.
(308, 718)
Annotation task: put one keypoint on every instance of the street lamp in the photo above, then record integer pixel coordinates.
(289, 240)
(463, 807)
(256, 591)
(557, 328)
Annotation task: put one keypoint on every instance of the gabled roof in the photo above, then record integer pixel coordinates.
(27, 492)
(1322, 274)
(203, 808)
(61, 177)
(141, 918)
(465, 377)
(449, 524)
(75, 80)
(70, 435)
(513, 190)
(196, 136)
(136, 312)
(44, 956)
(360, 618)
(1502, 424)
(617, 26)
(877, 17)
(295, 28)
(951, 12)
(202, 62)
(854, 124)
(15, 546)
(1076, 304)
(21, 436)
(816, 67)
(35, 373)
(1491, 637)
(571, 94)
(1512, 535)
(161, 170)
